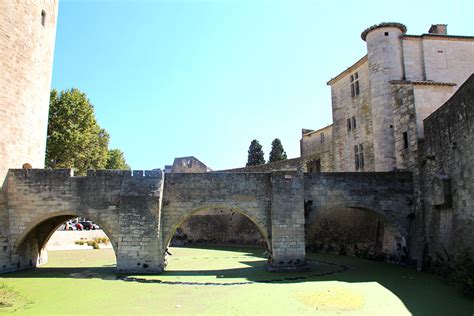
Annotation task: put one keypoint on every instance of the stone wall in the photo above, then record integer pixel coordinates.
(448, 176)
(384, 197)
(344, 107)
(5, 246)
(287, 220)
(404, 112)
(219, 226)
(140, 211)
(448, 59)
(428, 98)
(317, 149)
(126, 207)
(188, 194)
(26, 52)
(353, 232)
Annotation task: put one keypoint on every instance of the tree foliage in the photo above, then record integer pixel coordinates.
(277, 153)
(255, 154)
(75, 139)
(116, 160)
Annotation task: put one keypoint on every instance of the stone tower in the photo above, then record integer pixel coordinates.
(27, 36)
(384, 54)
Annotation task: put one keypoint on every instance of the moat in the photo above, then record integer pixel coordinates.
(217, 280)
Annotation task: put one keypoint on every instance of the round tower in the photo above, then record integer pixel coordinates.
(385, 58)
(27, 35)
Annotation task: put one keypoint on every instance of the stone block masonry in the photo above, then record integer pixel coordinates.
(141, 210)
(28, 30)
(287, 219)
(125, 206)
(448, 177)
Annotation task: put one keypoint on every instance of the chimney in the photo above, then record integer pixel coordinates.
(440, 29)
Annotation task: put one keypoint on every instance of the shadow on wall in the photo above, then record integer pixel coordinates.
(352, 232)
(219, 226)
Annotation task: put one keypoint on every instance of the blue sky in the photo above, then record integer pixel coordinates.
(203, 78)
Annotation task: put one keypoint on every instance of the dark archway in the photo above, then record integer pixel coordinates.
(30, 247)
(218, 227)
(259, 225)
(355, 231)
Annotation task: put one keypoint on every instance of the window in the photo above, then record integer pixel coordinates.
(405, 139)
(351, 123)
(386, 33)
(359, 157)
(322, 137)
(314, 166)
(43, 17)
(355, 89)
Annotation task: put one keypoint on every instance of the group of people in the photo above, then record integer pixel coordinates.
(73, 226)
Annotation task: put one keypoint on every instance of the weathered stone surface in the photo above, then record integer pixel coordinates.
(386, 197)
(447, 177)
(140, 212)
(219, 226)
(26, 54)
(402, 79)
(38, 201)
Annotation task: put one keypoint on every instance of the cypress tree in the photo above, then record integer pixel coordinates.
(255, 154)
(277, 153)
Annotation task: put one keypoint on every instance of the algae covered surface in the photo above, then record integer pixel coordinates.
(226, 281)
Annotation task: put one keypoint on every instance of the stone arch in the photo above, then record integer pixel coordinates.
(393, 227)
(40, 229)
(170, 231)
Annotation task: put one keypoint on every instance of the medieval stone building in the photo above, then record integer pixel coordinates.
(379, 103)
(388, 114)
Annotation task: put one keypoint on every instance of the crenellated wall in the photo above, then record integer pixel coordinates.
(141, 210)
(125, 205)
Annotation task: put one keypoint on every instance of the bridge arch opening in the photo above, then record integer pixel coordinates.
(355, 230)
(31, 246)
(224, 218)
(214, 227)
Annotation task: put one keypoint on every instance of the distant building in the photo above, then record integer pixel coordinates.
(188, 164)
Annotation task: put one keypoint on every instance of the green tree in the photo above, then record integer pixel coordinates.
(75, 139)
(277, 153)
(116, 160)
(255, 154)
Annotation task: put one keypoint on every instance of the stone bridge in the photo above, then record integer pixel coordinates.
(140, 210)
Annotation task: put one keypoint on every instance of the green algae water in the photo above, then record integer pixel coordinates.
(226, 281)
